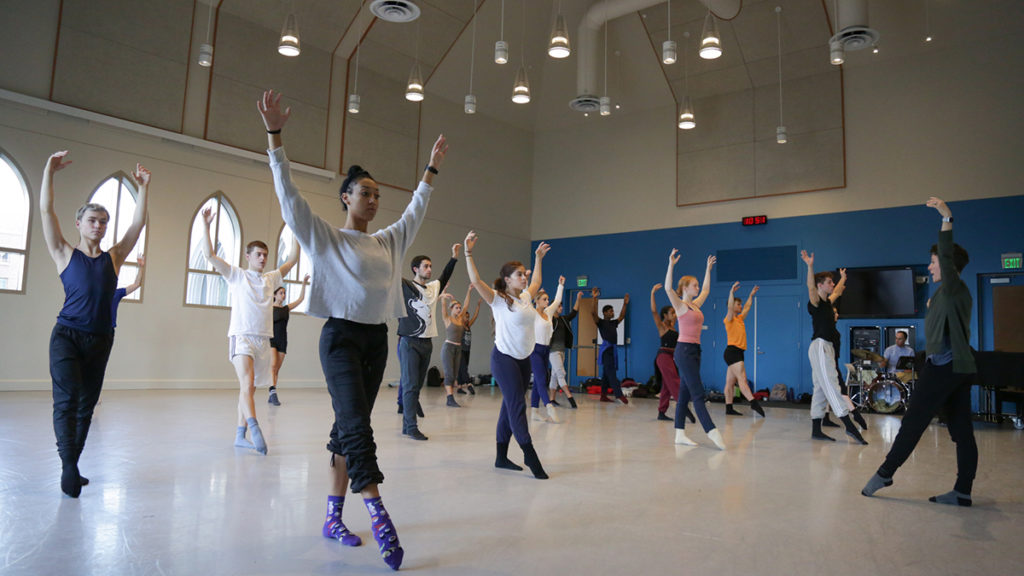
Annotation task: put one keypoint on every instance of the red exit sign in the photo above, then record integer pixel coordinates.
(754, 220)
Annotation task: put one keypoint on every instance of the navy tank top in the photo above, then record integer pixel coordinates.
(89, 285)
(669, 339)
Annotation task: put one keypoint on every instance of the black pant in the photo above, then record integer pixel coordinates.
(609, 378)
(939, 391)
(78, 361)
(353, 357)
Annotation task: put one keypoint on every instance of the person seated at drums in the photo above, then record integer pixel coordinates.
(896, 351)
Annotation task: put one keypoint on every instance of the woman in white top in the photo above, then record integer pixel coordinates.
(514, 318)
(357, 287)
(543, 329)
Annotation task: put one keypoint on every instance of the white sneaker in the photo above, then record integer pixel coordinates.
(716, 437)
(683, 439)
(537, 415)
(552, 415)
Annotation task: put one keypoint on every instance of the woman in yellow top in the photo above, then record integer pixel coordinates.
(736, 332)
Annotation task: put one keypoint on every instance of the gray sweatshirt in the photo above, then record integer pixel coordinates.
(356, 276)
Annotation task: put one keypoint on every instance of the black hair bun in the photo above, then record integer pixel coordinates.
(355, 170)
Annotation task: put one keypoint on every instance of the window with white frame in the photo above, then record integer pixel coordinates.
(204, 286)
(117, 194)
(14, 219)
(293, 281)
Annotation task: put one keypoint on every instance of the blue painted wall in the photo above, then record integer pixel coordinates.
(633, 262)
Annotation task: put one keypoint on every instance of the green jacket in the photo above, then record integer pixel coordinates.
(950, 311)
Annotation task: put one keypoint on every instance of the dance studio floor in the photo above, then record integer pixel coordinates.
(170, 495)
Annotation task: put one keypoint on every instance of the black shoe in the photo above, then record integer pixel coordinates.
(472, 390)
(460, 391)
(555, 402)
(415, 434)
(859, 419)
(828, 423)
(755, 405)
(572, 402)
(532, 461)
(452, 403)
(419, 412)
(730, 411)
(662, 416)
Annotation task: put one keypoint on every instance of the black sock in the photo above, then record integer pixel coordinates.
(572, 402)
(816, 432)
(828, 423)
(729, 410)
(689, 415)
(662, 416)
(859, 419)
(531, 459)
(70, 481)
(852, 432)
(502, 461)
(755, 405)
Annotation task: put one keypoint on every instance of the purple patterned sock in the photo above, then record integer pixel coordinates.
(384, 532)
(334, 528)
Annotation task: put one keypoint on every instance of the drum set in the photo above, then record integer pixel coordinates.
(877, 390)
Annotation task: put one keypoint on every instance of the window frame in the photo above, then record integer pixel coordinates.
(128, 183)
(222, 200)
(27, 190)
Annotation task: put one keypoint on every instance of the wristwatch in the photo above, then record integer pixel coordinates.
(947, 219)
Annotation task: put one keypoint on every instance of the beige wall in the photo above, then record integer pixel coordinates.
(945, 123)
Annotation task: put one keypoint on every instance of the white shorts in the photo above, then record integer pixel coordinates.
(257, 348)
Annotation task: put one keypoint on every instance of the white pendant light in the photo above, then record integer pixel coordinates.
(501, 47)
(521, 88)
(711, 40)
(686, 120)
(289, 44)
(605, 103)
(353, 98)
(558, 47)
(927, 23)
(668, 47)
(469, 105)
(206, 48)
(836, 53)
(414, 88)
(780, 130)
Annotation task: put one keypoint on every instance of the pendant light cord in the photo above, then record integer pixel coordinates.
(778, 20)
(472, 51)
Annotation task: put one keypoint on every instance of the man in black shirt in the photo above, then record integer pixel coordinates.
(821, 352)
(608, 326)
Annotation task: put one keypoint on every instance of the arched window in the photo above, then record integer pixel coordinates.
(205, 287)
(293, 281)
(117, 194)
(14, 219)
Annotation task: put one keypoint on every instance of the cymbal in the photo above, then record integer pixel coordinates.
(867, 355)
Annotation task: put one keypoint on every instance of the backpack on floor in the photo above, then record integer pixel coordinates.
(778, 393)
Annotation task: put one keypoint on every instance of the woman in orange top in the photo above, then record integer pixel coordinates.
(736, 332)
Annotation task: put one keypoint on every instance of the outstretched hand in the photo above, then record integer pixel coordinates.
(625, 299)
(807, 258)
(656, 287)
(270, 109)
(470, 241)
(561, 280)
(595, 292)
(674, 257)
(208, 216)
(455, 250)
(141, 260)
(141, 175)
(57, 161)
(542, 249)
(305, 279)
(711, 261)
(754, 291)
(939, 205)
(439, 151)
(735, 287)
(842, 274)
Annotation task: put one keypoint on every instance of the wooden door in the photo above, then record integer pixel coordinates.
(586, 339)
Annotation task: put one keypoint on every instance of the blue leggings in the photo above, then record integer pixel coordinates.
(609, 378)
(512, 376)
(687, 357)
(539, 364)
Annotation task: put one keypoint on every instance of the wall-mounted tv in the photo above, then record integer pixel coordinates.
(878, 293)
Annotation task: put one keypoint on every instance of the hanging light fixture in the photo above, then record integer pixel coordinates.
(289, 44)
(836, 53)
(668, 47)
(686, 121)
(605, 103)
(501, 47)
(711, 40)
(469, 106)
(206, 48)
(927, 23)
(353, 98)
(558, 47)
(414, 89)
(780, 130)
(521, 88)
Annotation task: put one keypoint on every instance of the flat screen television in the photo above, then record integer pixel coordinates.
(878, 293)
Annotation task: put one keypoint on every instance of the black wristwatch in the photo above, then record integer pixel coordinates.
(431, 169)
(947, 219)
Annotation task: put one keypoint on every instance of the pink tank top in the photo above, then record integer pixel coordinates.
(690, 325)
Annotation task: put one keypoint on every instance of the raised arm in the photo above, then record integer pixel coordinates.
(449, 268)
(706, 288)
(59, 248)
(302, 294)
(469, 294)
(654, 310)
(812, 290)
(728, 301)
(595, 293)
(474, 278)
(121, 250)
(557, 299)
(947, 268)
(293, 259)
(750, 300)
(476, 313)
(625, 304)
(138, 279)
(840, 287)
(535, 279)
(218, 263)
(446, 299)
(673, 297)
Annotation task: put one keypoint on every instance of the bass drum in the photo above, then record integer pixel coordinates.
(886, 395)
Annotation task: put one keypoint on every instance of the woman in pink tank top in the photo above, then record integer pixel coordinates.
(687, 303)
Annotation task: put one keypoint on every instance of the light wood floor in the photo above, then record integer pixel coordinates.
(170, 495)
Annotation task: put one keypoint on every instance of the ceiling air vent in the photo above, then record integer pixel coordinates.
(585, 103)
(395, 10)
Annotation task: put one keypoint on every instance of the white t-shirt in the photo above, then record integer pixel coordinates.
(543, 329)
(252, 301)
(514, 329)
